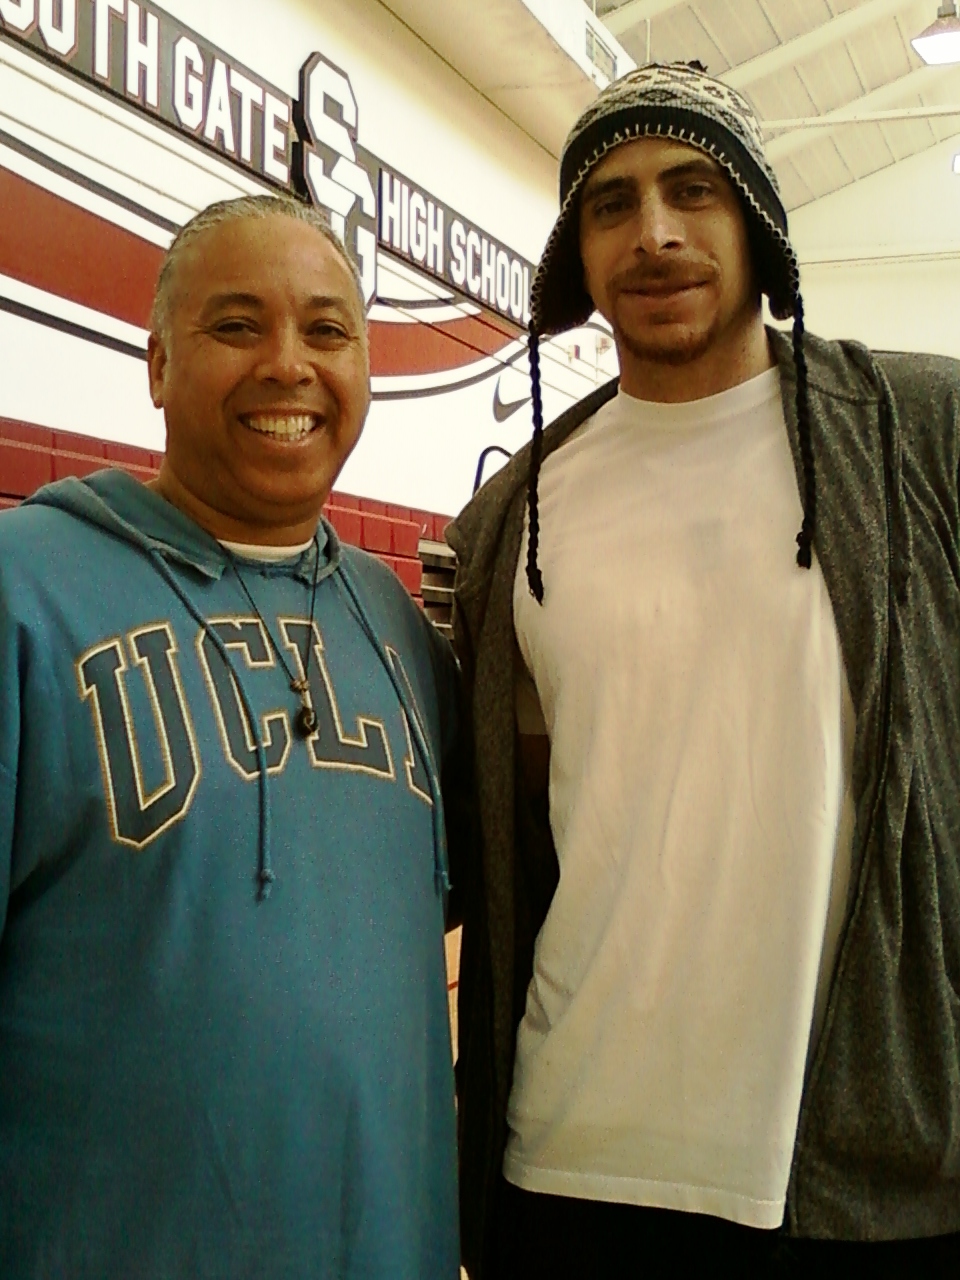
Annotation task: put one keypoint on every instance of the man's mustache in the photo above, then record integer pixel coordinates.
(661, 276)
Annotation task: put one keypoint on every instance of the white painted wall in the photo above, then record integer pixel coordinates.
(415, 112)
(880, 259)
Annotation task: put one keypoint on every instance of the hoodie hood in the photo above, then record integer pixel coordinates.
(126, 508)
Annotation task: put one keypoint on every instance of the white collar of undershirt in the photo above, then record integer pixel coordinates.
(734, 402)
(267, 555)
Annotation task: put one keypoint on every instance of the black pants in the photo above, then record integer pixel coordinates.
(556, 1238)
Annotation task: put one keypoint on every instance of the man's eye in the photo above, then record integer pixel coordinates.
(327, 329)
(233, 326)
(697, 190)
(607, 208)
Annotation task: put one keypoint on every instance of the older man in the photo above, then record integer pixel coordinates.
(710, 989)
(223, 1019)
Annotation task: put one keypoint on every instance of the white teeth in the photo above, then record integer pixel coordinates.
(284, 426)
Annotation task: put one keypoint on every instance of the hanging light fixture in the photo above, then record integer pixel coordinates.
(940, 43)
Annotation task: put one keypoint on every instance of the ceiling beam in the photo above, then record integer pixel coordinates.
(866, 117)
(888, 95)
(631, 14)
(827, 33)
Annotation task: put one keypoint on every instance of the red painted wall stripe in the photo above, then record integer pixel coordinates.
(57, 246)
(54, 245)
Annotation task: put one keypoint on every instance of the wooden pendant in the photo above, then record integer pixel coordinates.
(306, 721)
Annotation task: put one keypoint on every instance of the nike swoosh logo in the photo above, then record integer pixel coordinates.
(501, 411)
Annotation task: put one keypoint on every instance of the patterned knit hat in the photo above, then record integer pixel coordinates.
(680, 102)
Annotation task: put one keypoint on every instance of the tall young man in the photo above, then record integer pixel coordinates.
(224, 1046)
(709, 1012)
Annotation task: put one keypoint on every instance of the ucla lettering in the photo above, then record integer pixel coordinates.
(149, 759)
(247, 638)
(331, 747)
(136, 815)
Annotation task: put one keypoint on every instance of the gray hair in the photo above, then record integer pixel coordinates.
(214, 215)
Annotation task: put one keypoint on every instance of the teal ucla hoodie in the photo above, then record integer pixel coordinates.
(224, 1047)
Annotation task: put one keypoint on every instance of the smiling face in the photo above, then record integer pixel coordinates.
(666, 260)
(263, 375)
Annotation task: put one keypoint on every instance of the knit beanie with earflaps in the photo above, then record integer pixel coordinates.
(681, 102)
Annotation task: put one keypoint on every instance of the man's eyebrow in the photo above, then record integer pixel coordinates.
(625, 182)
(327, 302)
(606, 186)
(218, 301)
(693, 169)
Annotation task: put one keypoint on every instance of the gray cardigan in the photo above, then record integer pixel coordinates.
(877, 1152)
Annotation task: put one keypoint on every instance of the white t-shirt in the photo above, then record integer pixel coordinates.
(701, 732)
(268, 554)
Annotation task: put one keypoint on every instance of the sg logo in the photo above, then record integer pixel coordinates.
(329, 170)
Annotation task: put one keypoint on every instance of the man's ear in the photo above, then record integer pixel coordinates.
(156, 368)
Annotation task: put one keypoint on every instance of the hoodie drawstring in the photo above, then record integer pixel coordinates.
(441, 873)
(265, 872)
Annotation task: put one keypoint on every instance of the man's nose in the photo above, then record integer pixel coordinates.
(657, 225)
(285, 357)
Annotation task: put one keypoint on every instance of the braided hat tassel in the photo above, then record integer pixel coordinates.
(534, 576)
(805, 536)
